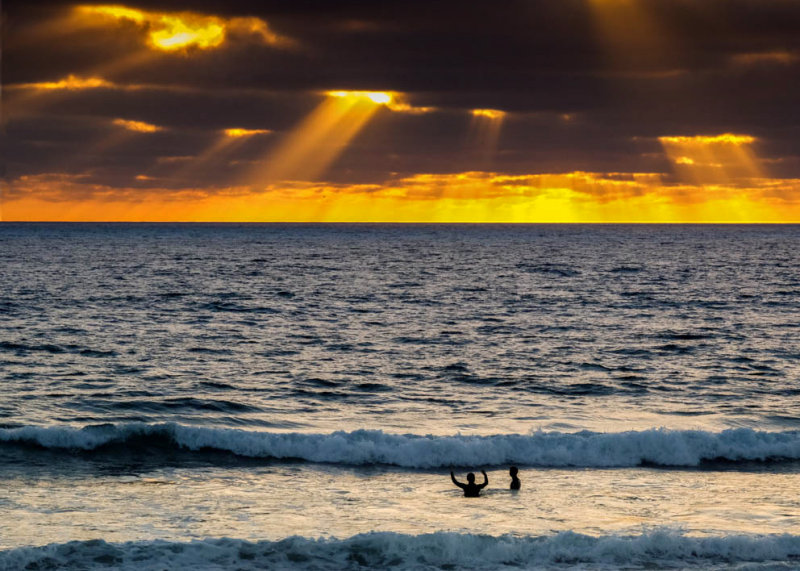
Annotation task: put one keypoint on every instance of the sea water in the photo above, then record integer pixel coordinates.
(295, 396)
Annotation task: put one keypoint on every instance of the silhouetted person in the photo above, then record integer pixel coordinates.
(515, 483)
(471, 489)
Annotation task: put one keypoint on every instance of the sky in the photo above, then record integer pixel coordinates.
(401, 111)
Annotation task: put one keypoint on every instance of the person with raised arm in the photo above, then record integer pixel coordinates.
(471, 489)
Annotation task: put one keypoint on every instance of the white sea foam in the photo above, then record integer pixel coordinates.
(362, 447)
(430, 551)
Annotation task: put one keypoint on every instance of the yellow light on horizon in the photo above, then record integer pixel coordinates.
(240, 132)
(454, 197)
(137, 126)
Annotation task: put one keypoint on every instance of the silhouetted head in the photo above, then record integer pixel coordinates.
(470, 477)
(513, 471)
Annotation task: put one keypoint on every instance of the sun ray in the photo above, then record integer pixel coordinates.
(227, 142)
(715, 159)
(321, 137)
(241, 132)
(630, 33)
(484, 133)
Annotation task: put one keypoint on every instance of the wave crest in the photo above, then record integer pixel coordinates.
(442, 550)
(362, 447)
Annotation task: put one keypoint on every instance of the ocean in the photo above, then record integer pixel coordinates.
(252, 396)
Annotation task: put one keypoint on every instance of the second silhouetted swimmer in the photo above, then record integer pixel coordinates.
(471, 489)
(515, 483)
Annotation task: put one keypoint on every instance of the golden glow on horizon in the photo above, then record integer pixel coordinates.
(178, 31)
(239, 132)
(138, 126)
(458, 197)
(715, 159)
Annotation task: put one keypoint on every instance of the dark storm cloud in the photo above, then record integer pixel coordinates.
(713, 66)
(422, 46)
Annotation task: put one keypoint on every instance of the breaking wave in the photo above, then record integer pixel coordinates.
(659, 447)
(441, 550)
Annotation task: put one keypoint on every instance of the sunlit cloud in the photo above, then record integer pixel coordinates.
(390, 99)
(126, 130)
(714, 159)
(379, 97)
(724, 139)
(29, 97)
(137, 126)
(400, 106)
(455, 197)
(118, 12)
(488, 113)
(69, 83)
(239, 132)
(179, 31)
(776, 57)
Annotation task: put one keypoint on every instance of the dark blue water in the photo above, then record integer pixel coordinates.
(438, 328)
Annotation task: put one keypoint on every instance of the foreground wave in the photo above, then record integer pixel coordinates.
(363, 447)
(442, 550)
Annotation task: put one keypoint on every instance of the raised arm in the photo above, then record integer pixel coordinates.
(485, 479)
(456, 482)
